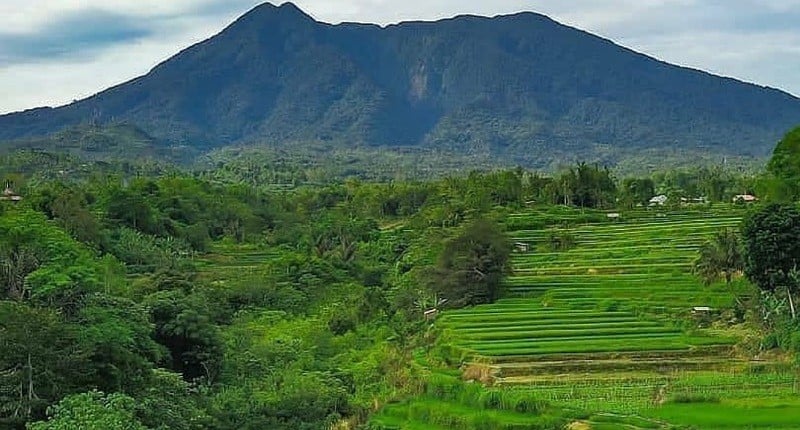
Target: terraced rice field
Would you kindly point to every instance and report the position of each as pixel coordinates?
(227, 261)
(605, 324)
(615, 291)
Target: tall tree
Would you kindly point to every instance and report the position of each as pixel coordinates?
(637, 191)
(772, 248)
(39, 361)
(720, 256)
(471, 266)
(784, 168)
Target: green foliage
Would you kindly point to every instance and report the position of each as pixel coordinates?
(721, 255)
(116, 335)
(772, 246)
(92, 411)
(218, 305)
(784, 168)
(143, 252)
(169, 403)
(42, 263)
(472, 266)
(184, 324)
(585, 186)
(637, 191)
(40, 363)
(560, 241)
(303, 395)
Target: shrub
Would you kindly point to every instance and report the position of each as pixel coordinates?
(491, 399)
(561, 241)
(694, 398)
(526, 405)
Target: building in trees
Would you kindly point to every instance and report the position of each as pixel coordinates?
(9, 194)
(745, 198)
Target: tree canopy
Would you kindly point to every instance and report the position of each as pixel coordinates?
(720, 256)
(784, 168)
(772, 245)
(472, 265)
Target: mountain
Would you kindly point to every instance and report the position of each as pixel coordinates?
(521, 87)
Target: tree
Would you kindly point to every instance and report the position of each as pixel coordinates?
(184, 325)
(42, 263)
(784, 168)
(39, 361)
(169, 403)
(92, 411)
(585, 186)
(722, 255)
(16, 263)
(471, 266)
(772, 248)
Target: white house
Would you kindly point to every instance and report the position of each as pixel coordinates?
(658, 200)
(746, 198)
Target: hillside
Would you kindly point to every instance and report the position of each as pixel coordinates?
(522, 87)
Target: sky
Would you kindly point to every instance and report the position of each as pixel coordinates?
(53, 52)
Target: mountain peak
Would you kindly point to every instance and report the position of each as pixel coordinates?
(291, 7)
(286, 10)
(514, 86)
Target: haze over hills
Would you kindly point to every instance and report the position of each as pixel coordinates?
(522, 88)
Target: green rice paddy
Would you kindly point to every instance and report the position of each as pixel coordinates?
(605, 326)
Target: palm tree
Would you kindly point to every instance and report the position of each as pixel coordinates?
(15, 264)
(720, 257)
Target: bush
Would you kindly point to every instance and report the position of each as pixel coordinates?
(561, 241)
(694, 398)
(526, 405)
(492, 399)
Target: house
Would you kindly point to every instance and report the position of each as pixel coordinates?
(703, 315)
(431, 314)
(694, 201)
(659, 200)
(745, 198)
(10, 195)
(614, 216)
(521, 247)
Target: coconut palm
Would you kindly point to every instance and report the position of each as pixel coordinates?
(720, 257)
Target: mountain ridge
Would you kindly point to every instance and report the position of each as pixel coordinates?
(512, 86)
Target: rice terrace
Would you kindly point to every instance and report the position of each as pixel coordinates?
(604, 314)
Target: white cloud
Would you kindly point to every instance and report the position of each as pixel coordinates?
(754, 40)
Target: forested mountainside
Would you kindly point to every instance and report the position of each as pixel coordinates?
(522, 88)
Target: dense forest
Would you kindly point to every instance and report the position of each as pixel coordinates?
(147, 296)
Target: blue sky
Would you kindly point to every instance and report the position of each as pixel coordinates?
(55, 51)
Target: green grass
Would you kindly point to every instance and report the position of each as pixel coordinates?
(431, 413)
(769, 412)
